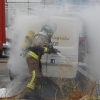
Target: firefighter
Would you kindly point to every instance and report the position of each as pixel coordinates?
(33, 59)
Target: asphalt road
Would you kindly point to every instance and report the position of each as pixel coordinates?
(3, 69)
(4, 75)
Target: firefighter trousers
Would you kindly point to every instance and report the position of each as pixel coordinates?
(33, 65)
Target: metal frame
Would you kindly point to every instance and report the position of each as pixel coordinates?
(22, 2)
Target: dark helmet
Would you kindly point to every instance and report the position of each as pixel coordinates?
(49, 27)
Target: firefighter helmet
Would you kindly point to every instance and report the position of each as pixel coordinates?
(49, 27)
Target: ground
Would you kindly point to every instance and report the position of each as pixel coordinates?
(4, 78)
(48, 86)
(3, 72)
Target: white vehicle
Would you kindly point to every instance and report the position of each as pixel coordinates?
(69, 39)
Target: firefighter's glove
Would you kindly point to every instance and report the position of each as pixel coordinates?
(52, 50)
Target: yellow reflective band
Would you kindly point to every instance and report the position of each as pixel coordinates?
(30, 86)
(33, 55)
(33, 76)
(45, 49)
(31, 83)
(36, 37)
(50, 33)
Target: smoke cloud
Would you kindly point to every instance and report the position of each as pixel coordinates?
(21, 26)
(23, 23)
(92, 27)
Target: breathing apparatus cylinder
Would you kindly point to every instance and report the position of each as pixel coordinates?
(28, 41)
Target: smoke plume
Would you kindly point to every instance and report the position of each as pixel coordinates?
(92, 27)
(23, 23)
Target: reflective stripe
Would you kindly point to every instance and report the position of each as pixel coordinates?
(31, 83)
(30, 86)
(42, 33)
(45, 49)
(33, 77)
(36, 37)
(50, 33)
(33, 55)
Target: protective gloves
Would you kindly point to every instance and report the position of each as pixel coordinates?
(52, 50)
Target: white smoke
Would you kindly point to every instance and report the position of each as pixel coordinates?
(17, 64)
(92, 27)
(21, 25)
